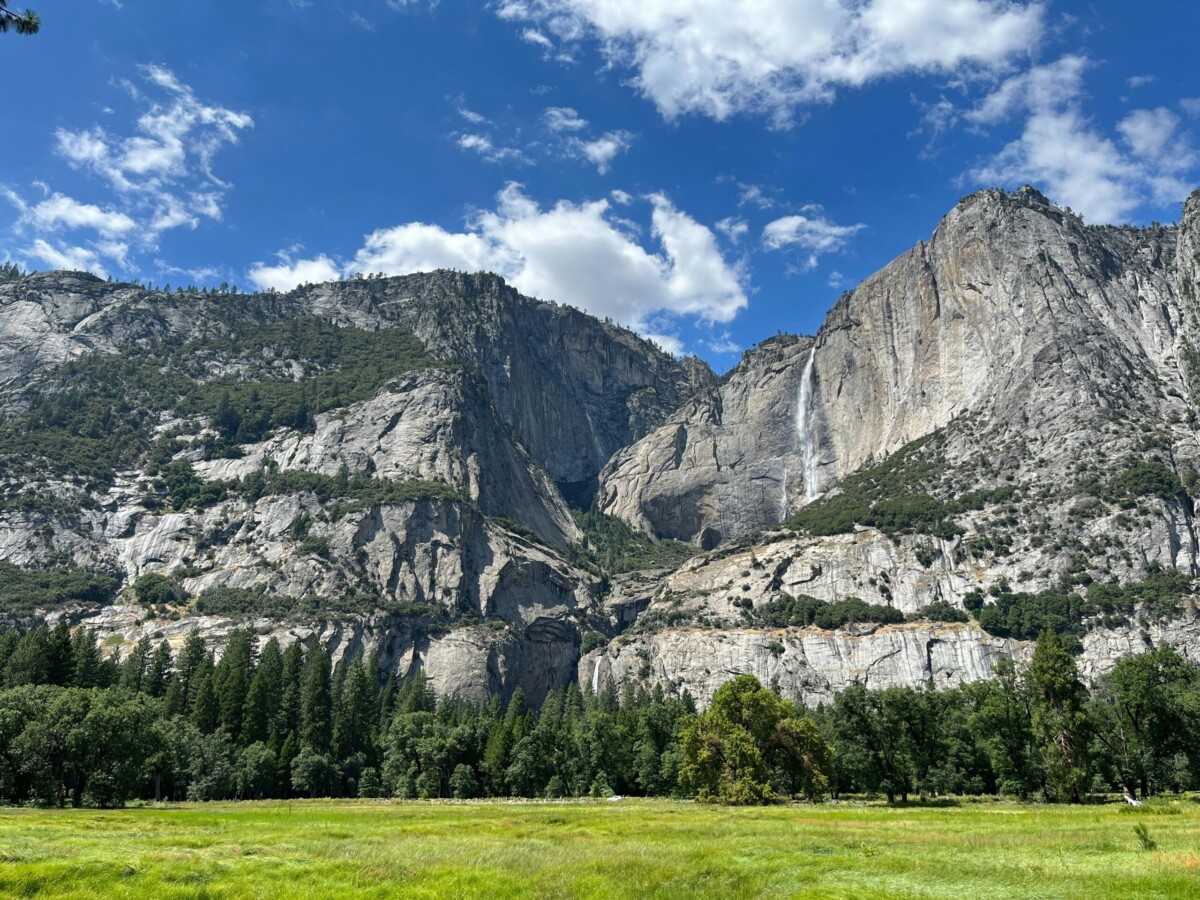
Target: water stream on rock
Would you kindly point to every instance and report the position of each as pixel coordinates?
(804, 428)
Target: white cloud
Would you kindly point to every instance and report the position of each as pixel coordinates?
(563, 118)
(720, 58)
(576, 253)
(724, 345)
(810, 232)
(482, 145)
(288, 273)
(620, 197)
(160, 177)
(1068, 155)
(1137, 81)
(936, 119)
(733, 227)
(533, 36)
(669, 342)
(63, 256)
(601, 151)
(61, 210)
(470, 115)
(1190, 105)
(754, 195)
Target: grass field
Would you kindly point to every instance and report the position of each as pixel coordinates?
(628, 849)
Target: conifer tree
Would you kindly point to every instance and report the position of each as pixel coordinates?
(27, 22)
(316, 703)
(158, 675)
(1059, 721)
(288, 718)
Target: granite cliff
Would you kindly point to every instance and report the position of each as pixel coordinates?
(1000, 420)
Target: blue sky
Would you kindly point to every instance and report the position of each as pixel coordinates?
(706, 171)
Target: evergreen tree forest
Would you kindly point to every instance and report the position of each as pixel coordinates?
(79, 727)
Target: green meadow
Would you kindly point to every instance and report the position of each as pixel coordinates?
(630, 848)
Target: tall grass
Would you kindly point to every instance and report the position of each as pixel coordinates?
(627, 849)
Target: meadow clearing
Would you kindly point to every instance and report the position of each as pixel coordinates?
(630, 848)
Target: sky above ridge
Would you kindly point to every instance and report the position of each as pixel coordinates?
(708, 172)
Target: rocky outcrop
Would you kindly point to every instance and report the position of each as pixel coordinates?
(1015, 328)
(729, 461)
(433, 425)
(813, 665)
(808, 664)
(573, 389)
(473, 663)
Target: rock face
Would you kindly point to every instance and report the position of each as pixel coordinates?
(1029, 385)
(1014, 324)
(573, 389)
(814, 665)
(808, 664)
(727, 462)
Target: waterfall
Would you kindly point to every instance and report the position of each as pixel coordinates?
(804, 428)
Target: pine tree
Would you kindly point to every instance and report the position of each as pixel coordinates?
(287, 721)
(1060, 724)
(231, 681)
(353, 728)
(60, 656)
(158, 675)
(89, 668)
(27, 22)
(28, 663)
(263, 699)
(316, 704)
(181, 691)
(206, 709)
(136, 665)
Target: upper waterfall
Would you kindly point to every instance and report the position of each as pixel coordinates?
(804, 428)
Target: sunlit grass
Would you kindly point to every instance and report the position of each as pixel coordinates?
(636, 849)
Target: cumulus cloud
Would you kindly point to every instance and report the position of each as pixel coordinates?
(810, 232)
(563, 118)
(159, 177)
(601, 151)
(733, 227)
(288, 272)
(1106, 178)
(576, 253)
(482, 145)
(720, 58)
(64, 256)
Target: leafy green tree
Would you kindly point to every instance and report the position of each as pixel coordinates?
(313, 773)
(749, 744)
(1060, 724)
(870, 738)
(1002, 721)
(256, 771)
(1144, 713)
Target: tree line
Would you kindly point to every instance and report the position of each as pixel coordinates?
(80, 727)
